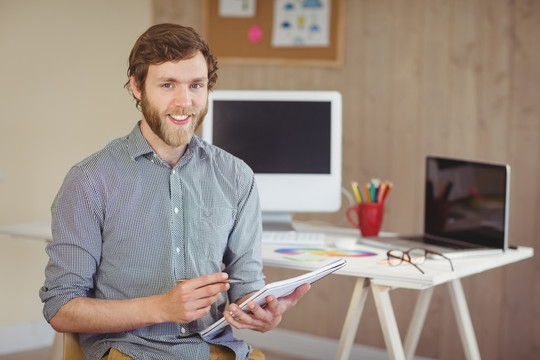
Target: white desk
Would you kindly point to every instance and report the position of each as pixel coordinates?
(381, 278)
(39, 230)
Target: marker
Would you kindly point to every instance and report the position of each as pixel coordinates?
(375, 188)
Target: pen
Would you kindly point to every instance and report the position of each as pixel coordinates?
(230, 281)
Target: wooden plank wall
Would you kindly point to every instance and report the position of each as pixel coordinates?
(451, 77)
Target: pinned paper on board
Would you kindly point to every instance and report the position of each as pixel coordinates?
(301, 23)
(237, 8)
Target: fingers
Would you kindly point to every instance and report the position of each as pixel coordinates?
(205, 280)
(191, 299)
(243, 320)
(267, 318)
(196, 296)
(286, 302)
(301, 291)
(207, 287)
(258, 319)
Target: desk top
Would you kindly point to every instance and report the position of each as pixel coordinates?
(373, 267)
(300, 258)
(366, 261)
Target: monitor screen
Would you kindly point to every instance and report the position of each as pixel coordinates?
(291, 140)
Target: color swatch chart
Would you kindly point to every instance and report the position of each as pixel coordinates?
(315, 254)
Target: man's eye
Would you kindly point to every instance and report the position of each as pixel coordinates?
(196, 86)
(167, 85)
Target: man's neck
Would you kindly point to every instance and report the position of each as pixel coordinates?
(167, 153)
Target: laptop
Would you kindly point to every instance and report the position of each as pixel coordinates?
(466, 208)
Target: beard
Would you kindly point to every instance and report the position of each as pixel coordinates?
(174, 136)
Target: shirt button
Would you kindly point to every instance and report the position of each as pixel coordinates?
(176, 210)
(178, 250)
(183, 330)
(174, 171)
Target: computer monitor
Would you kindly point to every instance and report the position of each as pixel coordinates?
(291, 140)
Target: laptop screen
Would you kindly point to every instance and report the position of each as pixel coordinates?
(467, 201)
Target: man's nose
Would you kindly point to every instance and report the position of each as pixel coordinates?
(182, 97)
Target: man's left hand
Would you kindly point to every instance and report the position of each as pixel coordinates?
(267, 318)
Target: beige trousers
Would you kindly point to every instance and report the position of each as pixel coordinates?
(216, 353)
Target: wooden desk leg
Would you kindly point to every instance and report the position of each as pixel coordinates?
(388, 322)
(352, 319)
(417, 321)
(463, 318)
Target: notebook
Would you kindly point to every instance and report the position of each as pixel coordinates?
(466, 206)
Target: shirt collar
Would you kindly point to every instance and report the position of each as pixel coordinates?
(138, 146)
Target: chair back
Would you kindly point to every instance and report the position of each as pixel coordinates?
(72, 349)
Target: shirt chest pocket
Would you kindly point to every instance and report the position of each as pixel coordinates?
(214, 225)
(216, 219)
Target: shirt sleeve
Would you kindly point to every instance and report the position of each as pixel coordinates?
(75, 251)
(243, 258)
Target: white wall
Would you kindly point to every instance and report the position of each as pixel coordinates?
(62, 70)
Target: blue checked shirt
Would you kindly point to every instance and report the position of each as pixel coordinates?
(126, 225)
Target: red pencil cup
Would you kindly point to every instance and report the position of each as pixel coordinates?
(369, 216)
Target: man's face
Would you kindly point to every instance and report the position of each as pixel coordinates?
(175, 99)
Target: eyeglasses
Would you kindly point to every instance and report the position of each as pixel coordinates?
(414, 257)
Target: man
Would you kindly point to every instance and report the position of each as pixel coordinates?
(148, 230)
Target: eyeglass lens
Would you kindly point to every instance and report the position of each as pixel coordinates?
(415, 256)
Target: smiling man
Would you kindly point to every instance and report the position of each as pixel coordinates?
(153, 208)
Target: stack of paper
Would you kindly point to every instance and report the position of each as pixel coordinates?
(280, 289)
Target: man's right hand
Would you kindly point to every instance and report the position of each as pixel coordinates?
(191, 299)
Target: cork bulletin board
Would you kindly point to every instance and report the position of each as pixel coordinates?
(254, 38)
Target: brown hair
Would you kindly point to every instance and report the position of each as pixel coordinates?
(167, 42)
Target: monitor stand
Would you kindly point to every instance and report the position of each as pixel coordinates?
(277, 221)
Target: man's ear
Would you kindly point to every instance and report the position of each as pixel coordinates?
(134, 87)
